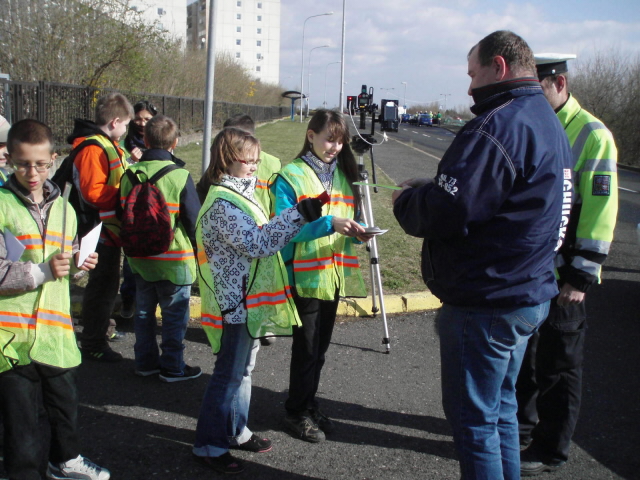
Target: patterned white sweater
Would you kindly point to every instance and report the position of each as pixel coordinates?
(232, 239)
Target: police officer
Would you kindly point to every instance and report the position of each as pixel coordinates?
(550, 382)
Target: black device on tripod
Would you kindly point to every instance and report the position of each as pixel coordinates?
(361, 144)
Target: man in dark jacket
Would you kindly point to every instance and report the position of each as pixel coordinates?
(492, 220)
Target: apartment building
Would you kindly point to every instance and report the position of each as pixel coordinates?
(249, 30)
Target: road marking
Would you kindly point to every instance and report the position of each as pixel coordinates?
(414, 148)
(414, 132)
(425, 135)
(627, 190)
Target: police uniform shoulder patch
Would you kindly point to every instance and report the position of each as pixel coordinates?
(601, 185)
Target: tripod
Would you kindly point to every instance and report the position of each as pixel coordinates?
(361, 146)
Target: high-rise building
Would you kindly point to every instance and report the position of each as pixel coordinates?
(170, 15)
(249, 30)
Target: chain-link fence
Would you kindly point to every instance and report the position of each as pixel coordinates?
(58, 105)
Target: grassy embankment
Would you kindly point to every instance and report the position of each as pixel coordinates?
(399, 254)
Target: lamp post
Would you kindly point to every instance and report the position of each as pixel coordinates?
(404, 101)
(387, 89)
(445, 95)
(304, 24)
(309, 73)
(324, 104)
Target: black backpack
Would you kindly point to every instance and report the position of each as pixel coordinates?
(88, 216)
(145, 228)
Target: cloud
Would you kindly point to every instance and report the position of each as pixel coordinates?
(425, 43)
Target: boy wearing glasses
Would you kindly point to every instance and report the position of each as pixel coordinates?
(38, 350)
(165, 279)
(98, 167)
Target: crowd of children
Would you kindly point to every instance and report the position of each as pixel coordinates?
(277, 270)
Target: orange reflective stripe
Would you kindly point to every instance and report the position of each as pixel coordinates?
(312, 264)
(17, 320)
(202, 257)
(55, 319)
(350, 261)
(173, 207)
(212, 321)
(107, 214)
(172, 256)
(337, 199)
(267, 298)
(115, 163)
(30, 242)
(264, 184)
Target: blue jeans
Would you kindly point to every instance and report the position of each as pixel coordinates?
(481, 350)
(225, 406)
(174, 306)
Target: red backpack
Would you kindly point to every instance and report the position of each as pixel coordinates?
(146, 222)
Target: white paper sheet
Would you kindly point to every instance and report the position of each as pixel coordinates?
(88, 244)
(13, 245)
(374, 231)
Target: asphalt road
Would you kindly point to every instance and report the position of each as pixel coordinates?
(390, 423)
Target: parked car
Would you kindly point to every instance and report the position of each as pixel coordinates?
(425, 119)
(405, 117)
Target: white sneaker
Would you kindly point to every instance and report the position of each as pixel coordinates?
(79, 468)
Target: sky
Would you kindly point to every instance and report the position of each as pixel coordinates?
(425, 43)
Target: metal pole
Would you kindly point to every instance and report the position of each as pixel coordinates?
(304, 24)
(208, 98)
(309, 73)
(404, 104)
(341, 100)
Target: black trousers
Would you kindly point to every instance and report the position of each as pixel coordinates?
(310, 344)
(24, 391)
(549, 386)
(100, 297)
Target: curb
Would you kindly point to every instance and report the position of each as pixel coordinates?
(348, 307)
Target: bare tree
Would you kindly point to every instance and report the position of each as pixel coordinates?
(608, 85)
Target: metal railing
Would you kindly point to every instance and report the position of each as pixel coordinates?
(58, 104)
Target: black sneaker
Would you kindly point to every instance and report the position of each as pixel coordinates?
(146, 373)
(266, 341)
(255, 444)
(304, 428)
(187, 373)
(106, 356)
(532, 464)
(324, 423)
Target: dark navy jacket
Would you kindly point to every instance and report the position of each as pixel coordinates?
(491, 218)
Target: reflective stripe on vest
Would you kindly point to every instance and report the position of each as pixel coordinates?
(269, 302)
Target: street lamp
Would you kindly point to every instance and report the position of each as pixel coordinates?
(309, 70)
(304, 24)
(445, 95)
(405, 96)
(325, 82)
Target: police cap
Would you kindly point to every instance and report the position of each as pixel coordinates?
(552, 63)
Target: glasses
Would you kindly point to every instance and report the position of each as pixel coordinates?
(26, 167)
(251, 161)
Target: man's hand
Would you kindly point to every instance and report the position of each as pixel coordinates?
(136, 154)
(60, 265)
(569, 295)
(90, 262)
(397, 193)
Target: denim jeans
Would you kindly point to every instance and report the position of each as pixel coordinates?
(128, 286)
(481, 350)
(225, 406)
(174, 306)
